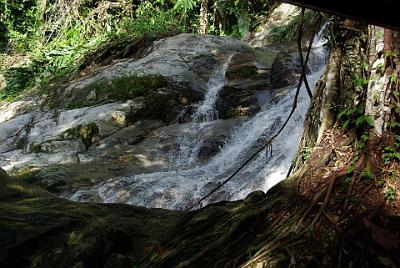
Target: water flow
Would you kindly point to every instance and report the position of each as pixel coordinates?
(179, 187)
(206, 112)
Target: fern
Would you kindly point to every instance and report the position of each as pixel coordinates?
(186, 5)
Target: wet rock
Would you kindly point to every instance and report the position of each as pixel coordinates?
(117, 260)
(120, 121)
(280, 16)
(248, 73)
(185, 59)
(255, 197)
(9, 111)
(286, 69)
(211, 147)
(66, 146)
(51, 177)
(18, 159)
(13, 133)
(67, 124)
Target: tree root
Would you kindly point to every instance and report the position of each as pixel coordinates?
(338, 175)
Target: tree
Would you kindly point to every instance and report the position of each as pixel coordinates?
(189, 4)
(203, 17)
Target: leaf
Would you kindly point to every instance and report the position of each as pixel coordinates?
(342, 113)
(359, 121)
(369, 120)
(350, 169)
(346, 124)
(187, 5)
(386, 262)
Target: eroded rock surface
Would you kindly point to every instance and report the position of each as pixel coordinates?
(122, 120)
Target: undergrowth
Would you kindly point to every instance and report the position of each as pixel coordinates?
(58, 43)
(288, 32)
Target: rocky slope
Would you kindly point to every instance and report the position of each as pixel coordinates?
(122, 119)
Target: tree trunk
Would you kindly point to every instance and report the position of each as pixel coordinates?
(41, 9)
(375, 102)
(383, 75)
(203, 17)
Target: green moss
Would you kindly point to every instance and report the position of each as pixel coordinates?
(159, 105)
(35, 148)
(122, 88)
(242, 72)
(26, 174)
(74, 239)
(88, 133)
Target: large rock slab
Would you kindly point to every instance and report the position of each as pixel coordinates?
(14, 132)
(66, 125)
(94, 137)
(186, 59)
(11, 110)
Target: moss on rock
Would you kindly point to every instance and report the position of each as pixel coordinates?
(89, 133)
(120, 89)
(242, 72)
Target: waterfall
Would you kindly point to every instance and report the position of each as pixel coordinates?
(185, 183)
(206, 112)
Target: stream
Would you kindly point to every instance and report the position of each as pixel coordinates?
(187, 180)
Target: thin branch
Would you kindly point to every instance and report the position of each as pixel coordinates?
(300, 49)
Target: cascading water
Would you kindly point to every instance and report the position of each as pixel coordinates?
(183, 184)
(206, 112)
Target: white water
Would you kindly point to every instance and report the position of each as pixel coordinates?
(184, 183)
(206, 112)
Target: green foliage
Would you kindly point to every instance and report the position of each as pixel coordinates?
(57, 48)
(350, 169)
(392, 154)
(244, 23)
(360, 82)
(392, 54)
(355, 117)
(390, 194)
(186, 5)
(58, 39)
(18, 20)
(365, 66)
(18, 79)
(288, 32)
(236, 17)
(306, 153)
(392, 78)
(363, 140)
(367, 173)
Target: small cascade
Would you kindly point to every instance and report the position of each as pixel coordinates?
(184, 183)
(206, 112)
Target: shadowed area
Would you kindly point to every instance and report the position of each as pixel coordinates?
(383, 13)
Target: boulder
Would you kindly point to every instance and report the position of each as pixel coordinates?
(248, 74)
(50, 178)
